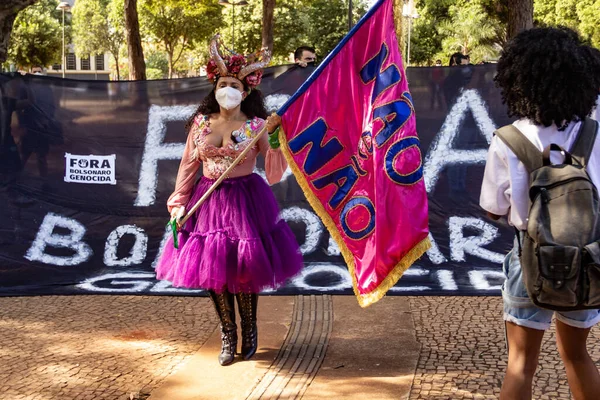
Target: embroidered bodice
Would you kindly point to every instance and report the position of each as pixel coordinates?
(215, 160)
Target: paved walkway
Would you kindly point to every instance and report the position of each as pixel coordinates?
(126, 347)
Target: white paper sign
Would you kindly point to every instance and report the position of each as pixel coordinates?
(90, 169)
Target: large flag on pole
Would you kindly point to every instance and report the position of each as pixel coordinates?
(349, 135)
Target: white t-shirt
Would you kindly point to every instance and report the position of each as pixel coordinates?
(505, 186)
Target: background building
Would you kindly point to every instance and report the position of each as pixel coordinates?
(90, 68)
(93, 67)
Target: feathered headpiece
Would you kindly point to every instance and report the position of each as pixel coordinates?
(247, 69)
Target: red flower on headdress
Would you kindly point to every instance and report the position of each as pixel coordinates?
(254, 78)
(212, 71)
(236, 63)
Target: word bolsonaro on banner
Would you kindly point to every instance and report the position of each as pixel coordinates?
(349, 135)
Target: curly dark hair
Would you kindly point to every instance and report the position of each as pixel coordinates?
(594, 53)
(252, 106)
(547, 76)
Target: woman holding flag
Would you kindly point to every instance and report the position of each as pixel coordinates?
(234, 245)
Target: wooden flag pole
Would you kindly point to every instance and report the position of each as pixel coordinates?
(224, 175)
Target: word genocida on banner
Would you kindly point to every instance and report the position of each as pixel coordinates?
(133, 274)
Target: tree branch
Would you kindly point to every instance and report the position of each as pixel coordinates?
(180, 52)
(8, 13)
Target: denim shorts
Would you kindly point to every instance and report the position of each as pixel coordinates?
(520, 310)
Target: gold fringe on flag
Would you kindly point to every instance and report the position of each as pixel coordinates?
(364, 300)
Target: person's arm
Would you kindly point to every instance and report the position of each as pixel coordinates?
(275, 162)
(186, 177)
(495, 188)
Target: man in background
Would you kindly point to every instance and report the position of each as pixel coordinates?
(304, 55)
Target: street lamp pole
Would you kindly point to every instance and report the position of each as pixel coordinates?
(233, 27)
(63, 6)
(349, 15)
(233, 5)
(409, 32)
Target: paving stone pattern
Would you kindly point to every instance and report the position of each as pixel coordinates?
(302, 352)
(108, 347)
(96, 347)
(463, 353)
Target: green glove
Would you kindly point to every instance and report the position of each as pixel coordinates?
(274, 139)
(173, 224)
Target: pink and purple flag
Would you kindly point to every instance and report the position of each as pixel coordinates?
(349, 135)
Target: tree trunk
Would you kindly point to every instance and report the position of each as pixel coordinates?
(399, 25)
(137, 65)
(8, 12)
(170, 58)
(116, 56)
(267, 23)
(520, 16)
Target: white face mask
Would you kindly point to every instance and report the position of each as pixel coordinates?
(228, 97)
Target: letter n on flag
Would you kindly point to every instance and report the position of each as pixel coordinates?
(349, 135)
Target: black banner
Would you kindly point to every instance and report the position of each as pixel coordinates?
(86, 168)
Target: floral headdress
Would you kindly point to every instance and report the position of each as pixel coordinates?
(247, 69)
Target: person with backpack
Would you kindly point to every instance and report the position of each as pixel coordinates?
(543, 173)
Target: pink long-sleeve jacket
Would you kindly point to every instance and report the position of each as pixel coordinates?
(215, 160)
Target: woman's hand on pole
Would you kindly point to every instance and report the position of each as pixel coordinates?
(273, 121)
(177, 213)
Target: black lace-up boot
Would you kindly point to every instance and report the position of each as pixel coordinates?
(224, 304)
(247, 303)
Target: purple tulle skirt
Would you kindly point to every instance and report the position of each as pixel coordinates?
(235, 241)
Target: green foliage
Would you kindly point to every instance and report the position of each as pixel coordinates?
(327, 24)
(289, 29)
(179, 25)
(581, 15)
(99, 27)
(242, 25)
(158, 62)
(154, 73)
(544, 12)
(566, 13)
(474, 27)
(469, 31)
(317, 23)
(177, 31)
(588, 12)
(37, 36)
(425, 40)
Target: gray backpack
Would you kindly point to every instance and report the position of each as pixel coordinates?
(560, 252)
